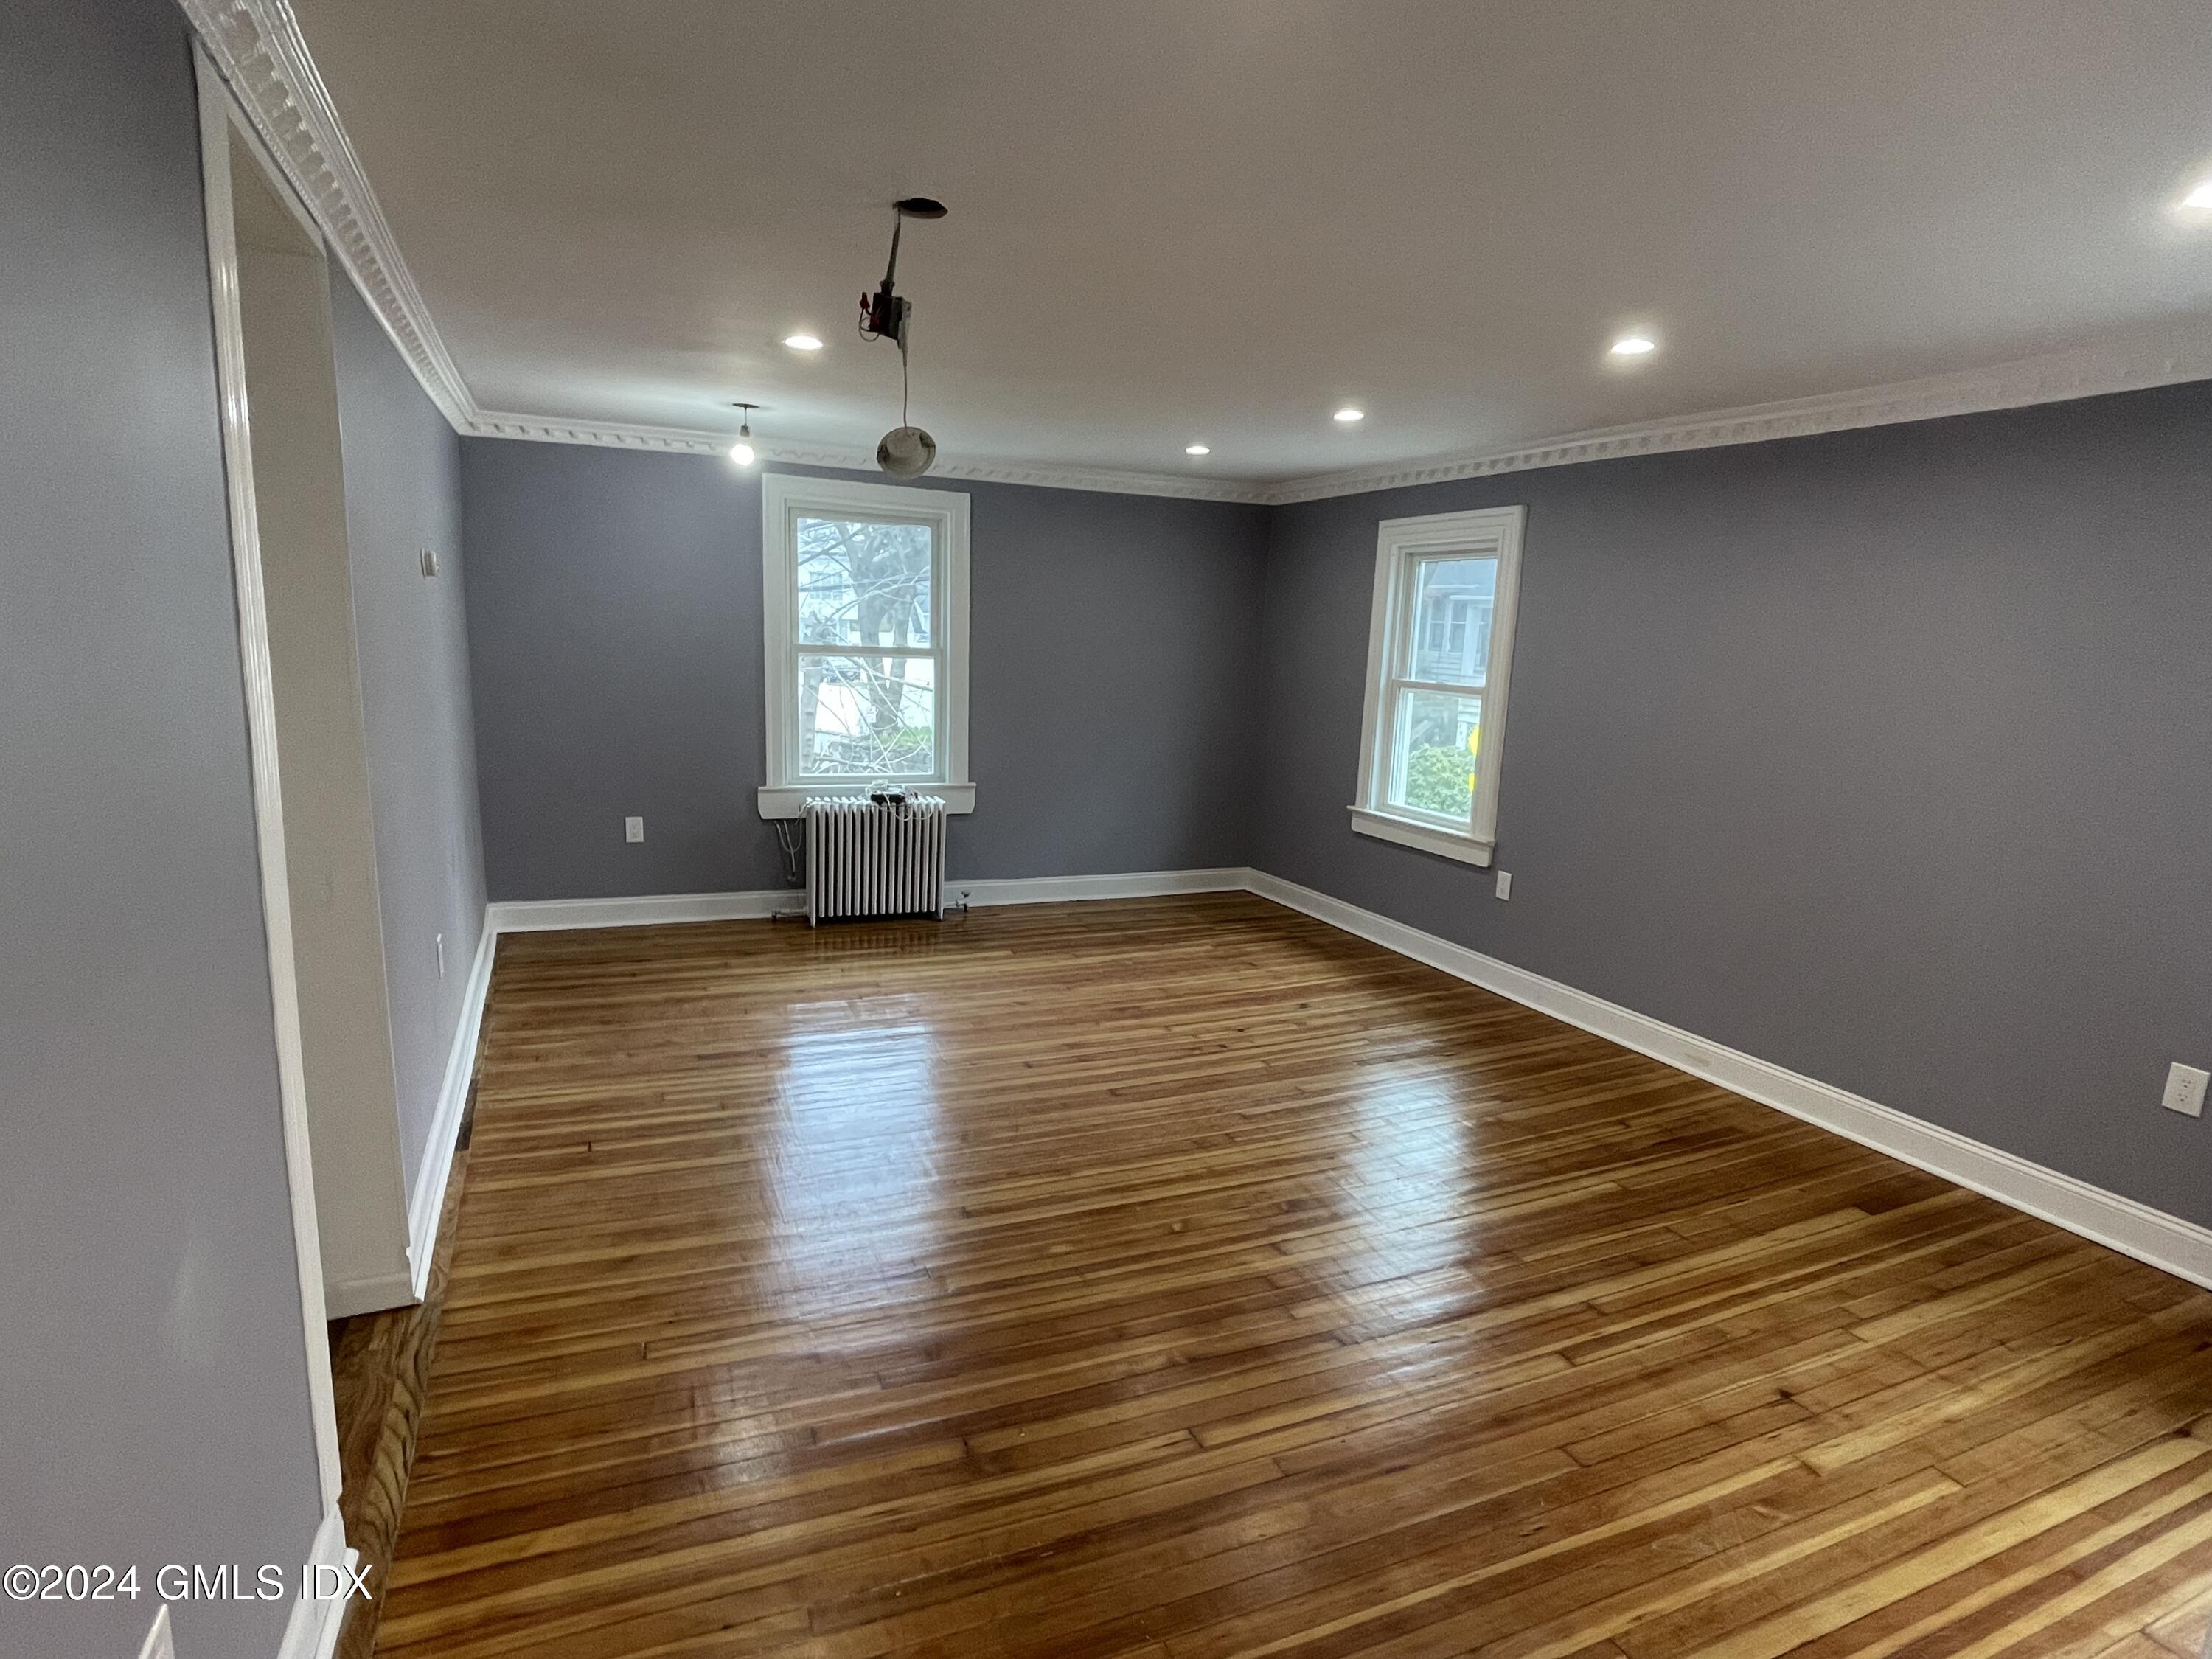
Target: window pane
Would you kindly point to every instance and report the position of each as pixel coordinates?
(1437, 734)
(1453, 599)
(862, 583)
(867, 717)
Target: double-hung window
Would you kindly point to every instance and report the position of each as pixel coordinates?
(1438, 652)
(865, 608)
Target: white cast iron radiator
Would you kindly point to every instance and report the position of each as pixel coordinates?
(875, 858)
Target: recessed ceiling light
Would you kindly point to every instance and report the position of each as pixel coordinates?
(2201, 196)
(802, 342)
(1196, 449)
(1348, 414)
(1634, 345)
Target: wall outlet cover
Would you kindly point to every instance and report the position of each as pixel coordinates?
(2184, 1089)
(1505, 884)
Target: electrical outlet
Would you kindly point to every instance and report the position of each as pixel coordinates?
(633, 828)
(2184, 1089)
(441, 956)
(429, 560)
(1505, 884)
(160, 1644)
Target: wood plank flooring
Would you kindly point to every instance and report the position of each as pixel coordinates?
(380, 1373)
(1184, 1279)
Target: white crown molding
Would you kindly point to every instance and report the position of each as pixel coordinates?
(665, 440)
(258, 48)
(1044, 474)
(2055, 377)
(684, 440)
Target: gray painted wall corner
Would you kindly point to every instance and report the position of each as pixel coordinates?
(615, 640)
(1876, 755)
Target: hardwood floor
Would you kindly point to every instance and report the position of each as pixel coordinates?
(1182, 1278)
(380, 1372)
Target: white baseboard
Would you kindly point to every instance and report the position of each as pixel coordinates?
(1064, 890)
(428, 1200)
(2179, 1247)
(343, 1298)
(529, 916)
(2166, 1242)
(550, 916)
(312, 1631)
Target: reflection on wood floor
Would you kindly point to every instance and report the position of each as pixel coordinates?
(1183, 1277)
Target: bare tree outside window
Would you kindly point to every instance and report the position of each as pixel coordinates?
(867, 667)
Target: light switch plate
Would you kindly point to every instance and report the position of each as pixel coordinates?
(633, 828)
(1505, 884)
(2184, 1089)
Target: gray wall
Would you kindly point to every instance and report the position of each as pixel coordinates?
(1882, 756)
(615, 643)
(152, 1386)
(402, 494)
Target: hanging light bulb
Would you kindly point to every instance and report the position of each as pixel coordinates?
(742, 450)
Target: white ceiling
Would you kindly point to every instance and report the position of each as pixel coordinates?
(1218, 220)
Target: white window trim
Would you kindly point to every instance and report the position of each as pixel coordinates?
(783, 498)
(1494, 529)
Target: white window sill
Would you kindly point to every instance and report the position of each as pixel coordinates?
(1406, 832)
(779, 802)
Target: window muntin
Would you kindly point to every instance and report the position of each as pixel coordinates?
(1438, 652)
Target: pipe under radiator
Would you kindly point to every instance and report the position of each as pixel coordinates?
(867, 857)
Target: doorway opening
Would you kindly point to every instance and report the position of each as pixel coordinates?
(277, 372)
